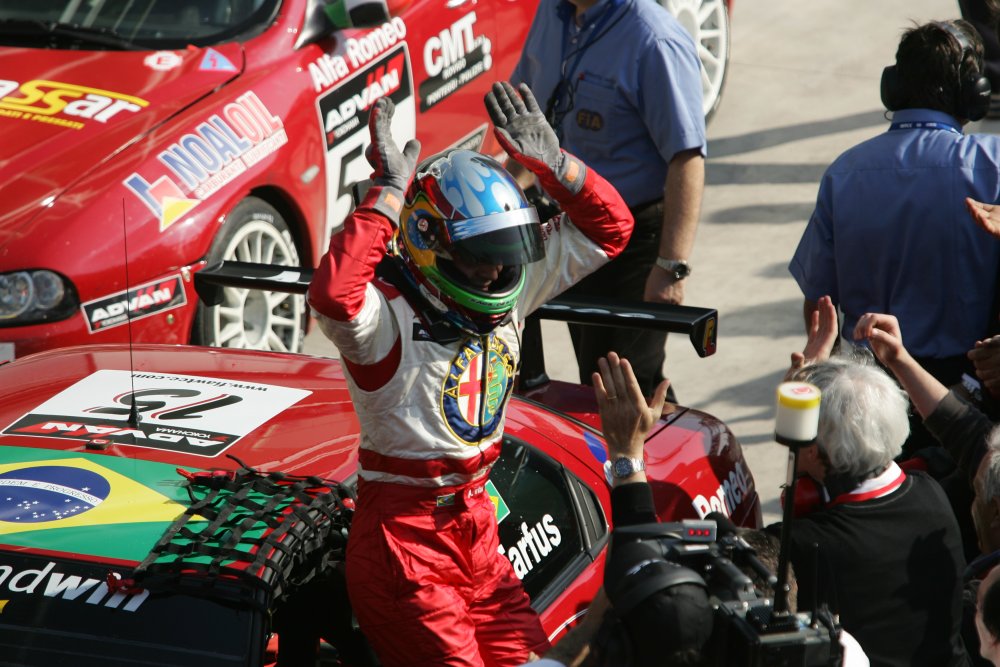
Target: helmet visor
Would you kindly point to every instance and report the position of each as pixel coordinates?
(508, 238)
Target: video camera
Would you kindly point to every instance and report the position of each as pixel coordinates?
(745, 627)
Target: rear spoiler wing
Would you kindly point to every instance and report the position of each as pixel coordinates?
(700, 324)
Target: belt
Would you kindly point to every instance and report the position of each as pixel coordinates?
(642, 208)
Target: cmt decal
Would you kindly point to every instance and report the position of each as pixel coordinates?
(728, 496)
(452, 59)
(139, 302)
(533, 546)
(209, 156)
(189, 414)
(344, 111)
(64, 104)
(53, 581)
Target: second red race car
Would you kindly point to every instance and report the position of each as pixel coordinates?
(144, 139)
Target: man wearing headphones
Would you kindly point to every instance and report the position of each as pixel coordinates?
(889, 232)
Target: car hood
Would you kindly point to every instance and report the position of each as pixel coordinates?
(65, 113)
(76, 477)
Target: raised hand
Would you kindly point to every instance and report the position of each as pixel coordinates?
(521, 128)
(986, 216)
(626, 417)
(392, 168)
(883, 334)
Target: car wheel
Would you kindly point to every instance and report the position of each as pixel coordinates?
(253, 232)
(708, 22)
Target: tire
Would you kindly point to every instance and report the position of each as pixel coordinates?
(252, 319)
(708, 23)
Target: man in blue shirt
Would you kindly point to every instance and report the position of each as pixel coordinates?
(890, 233)
(620, 81)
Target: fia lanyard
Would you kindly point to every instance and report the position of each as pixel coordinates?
(596, 31)
(874, 488)
(924, 125)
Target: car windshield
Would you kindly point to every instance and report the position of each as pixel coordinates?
(130, 24)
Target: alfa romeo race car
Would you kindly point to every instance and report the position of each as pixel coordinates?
(182, 505)
(144, 139)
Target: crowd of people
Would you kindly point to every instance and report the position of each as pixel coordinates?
(444, 260)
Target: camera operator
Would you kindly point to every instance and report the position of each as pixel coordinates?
(673, 626)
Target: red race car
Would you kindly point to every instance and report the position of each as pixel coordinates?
(176, 505)
(144, 139)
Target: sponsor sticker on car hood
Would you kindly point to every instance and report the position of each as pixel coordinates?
(63, 113)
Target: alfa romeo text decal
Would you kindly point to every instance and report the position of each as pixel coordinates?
(180, 413)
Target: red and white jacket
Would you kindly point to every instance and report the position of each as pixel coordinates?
(431, 414)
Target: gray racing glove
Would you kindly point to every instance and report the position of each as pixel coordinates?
(392, 169)
(527, 137)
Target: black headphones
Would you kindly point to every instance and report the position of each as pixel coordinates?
(973, 99)
(634, 572)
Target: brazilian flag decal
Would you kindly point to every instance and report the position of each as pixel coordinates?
(96, 505)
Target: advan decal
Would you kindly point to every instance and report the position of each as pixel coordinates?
(344, 113)
(139, 302)
(189, 414)
(452, 59)
(210, 155)
(64, 104)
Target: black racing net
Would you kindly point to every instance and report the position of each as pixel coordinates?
(246, 532)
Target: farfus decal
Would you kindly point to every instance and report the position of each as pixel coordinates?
(63, 104)
(452, 59)
(728, 496)
(208, 157)
(49, 582)
(329, 69)
(180, 413)
(143, 301)
(535, 543)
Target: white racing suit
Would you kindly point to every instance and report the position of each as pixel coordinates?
(424, 574)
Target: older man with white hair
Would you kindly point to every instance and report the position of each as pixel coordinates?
(884, 550)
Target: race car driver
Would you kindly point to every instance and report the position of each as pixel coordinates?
(427, 319)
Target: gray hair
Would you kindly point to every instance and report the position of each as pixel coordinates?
(863, 415)
(988, 484)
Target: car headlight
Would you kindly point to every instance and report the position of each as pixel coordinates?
(30, 297)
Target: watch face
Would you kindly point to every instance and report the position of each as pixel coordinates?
(682, 271)
(623, 467)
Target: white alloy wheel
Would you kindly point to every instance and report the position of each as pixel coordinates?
(708, 23)
(254, 319)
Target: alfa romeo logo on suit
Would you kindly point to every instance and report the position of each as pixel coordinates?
(476, 389)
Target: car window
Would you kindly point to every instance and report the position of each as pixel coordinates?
(144, 22)
(546, 517)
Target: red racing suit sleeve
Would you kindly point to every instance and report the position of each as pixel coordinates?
(351, 310)
(594, 227)
(338, 287)
(597, 209)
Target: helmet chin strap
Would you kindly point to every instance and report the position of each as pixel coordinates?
(444, 326)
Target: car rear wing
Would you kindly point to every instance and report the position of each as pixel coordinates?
(700, 324)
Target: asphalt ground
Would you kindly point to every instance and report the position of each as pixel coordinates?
(803, 86)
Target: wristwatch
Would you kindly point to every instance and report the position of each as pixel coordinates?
(623, 467)
(678, 267)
